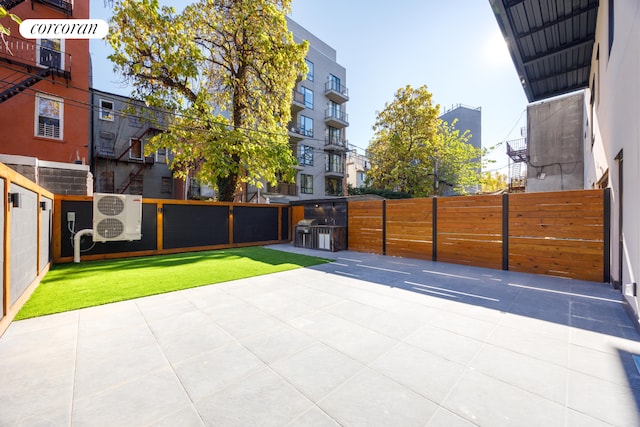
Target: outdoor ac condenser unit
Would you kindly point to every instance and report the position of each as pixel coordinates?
(117, 217)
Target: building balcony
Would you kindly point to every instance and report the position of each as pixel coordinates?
(63, 6)
(335, 144)
(297, 133)
(336, 92)
(336, 171)
(297, 104)
(29, 54)
(337, 119)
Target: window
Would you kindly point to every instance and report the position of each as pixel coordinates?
(306, 155)
(308, 97)
(611, 26)
(106, 182)
(310, 72)
(335, 110)
(135, 149)
(50, 53)
(334, 136)
(306, 126)
(334, 83)
(161, 156)
(49, 116)
(137, 183)
(106, 110)
(306, 184)
(334, 163)
(165, 185)
(333, 187)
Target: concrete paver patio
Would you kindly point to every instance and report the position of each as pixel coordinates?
(364, 341)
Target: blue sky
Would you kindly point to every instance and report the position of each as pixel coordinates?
(454, 47)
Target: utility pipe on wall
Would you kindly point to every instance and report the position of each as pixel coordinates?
(76, 243)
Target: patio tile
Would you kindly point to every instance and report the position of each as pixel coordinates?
(51, 321)
(463, 325)
(193, 341)
(449, 345)
(45, 342)
(144, 401)
(487, 401)
(603, 400)
(157, 307)
(263, 398)
(277, 343)
(185, 417)
(616, 368)
(314, 417)
(540, 346)
(444, 418)
(319, 324)
(380, 321)
(577, 419)
(534, 375)
(359, 342)
(212, 371)
(370, 399)
(35, 395)
(317, 370)
(98, 369)
(94, 320)
(51, 417)
(425, 373)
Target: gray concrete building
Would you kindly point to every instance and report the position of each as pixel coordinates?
(555, 141)
(318, 127)
(465, 118)
(118, 137)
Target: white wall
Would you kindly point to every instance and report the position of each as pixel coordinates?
(615, 83)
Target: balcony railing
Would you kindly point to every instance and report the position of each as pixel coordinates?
(297, 103)
(335, 117)
(20, 51)
(65, 6)
(335, 142)
(301, 131)
(336, 92)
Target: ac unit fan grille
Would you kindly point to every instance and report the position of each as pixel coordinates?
(110, 205)
(110, 228)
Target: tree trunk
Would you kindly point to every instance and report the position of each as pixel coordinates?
(227, 188)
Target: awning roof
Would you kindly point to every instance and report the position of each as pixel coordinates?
(550, 41)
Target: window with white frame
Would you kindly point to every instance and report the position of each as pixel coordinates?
(106, 110)
(135, 149)
(49, 116)
(161, 156)
(50, 53)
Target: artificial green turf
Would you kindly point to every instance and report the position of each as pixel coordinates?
(73, 286)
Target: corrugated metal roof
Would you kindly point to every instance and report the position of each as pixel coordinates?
(550, 41)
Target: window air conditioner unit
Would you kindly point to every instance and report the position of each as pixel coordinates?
(117, 217)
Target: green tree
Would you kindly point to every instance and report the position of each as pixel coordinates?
(227, 69)
(494, 181)
(413, 151)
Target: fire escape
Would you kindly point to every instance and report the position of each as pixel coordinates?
(135, 151)
(30, 62)
(518, 153)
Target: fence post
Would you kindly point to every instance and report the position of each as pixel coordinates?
(384, 227)
(434, 229)
(607, 236)
(505, 231)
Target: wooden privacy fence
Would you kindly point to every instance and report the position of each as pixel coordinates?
(171, 226)
(557, 233)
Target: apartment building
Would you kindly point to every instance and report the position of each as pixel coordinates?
(357, 167)
(120, 130)
(44, 100)
(318, 127)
